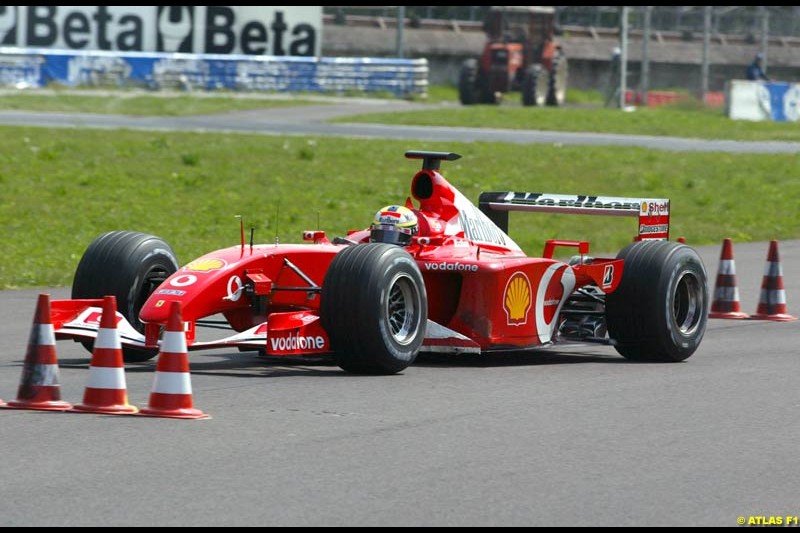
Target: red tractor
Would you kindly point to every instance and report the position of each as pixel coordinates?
(521, 54)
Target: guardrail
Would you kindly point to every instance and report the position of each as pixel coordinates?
(35, 67)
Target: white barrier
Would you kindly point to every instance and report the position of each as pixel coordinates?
(759, 100)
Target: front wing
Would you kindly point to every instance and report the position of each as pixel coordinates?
(292, 333)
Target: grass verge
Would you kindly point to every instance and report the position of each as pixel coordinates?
(59, 189)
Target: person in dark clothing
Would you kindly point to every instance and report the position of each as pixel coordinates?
(755, 71)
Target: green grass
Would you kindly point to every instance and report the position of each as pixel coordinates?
(679, 120)
(60, 188)
(125, 103)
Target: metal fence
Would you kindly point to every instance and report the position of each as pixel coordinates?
(783, 21)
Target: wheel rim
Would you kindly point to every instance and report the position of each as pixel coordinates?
(154, 277)
(688, 303)
(402, 310)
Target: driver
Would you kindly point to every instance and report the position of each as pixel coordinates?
(394, 224)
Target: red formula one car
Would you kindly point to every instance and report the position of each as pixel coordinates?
(459, 284)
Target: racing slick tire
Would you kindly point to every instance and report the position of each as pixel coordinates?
(660, 309)
(374, 308)
(130, 266)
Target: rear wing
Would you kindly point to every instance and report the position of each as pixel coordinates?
(653, 213)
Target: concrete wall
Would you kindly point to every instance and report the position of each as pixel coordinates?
(674, 62)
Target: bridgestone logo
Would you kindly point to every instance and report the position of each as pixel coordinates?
(451, 267)
(658, 228)
(295, 342)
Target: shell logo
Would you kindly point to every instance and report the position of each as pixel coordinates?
(204, 265)
(517, 299)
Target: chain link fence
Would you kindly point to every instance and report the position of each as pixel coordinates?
(689, 50)
(784, 21)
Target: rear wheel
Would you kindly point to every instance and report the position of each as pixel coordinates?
(484, 89)
(467, 79)
(660, 309)
(374, 308)
(130, 266)
(557, 82)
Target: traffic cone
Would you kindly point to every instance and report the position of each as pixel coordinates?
(726, 292)
(171, 395)
(106, 392)
(39, 388)
(772, 301)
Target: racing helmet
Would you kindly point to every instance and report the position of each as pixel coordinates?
(394, 224)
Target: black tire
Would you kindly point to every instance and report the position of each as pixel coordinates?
(561, 74)
(529, 81)
(467, 79)
(129, 266)
(660, 309)
(374, 308)
(484, 89)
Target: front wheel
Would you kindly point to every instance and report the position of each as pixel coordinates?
(374, 308)
(660, 309)
(130, 266)
(530, 81)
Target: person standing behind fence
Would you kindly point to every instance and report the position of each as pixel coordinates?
(614, 76)
(755, 71)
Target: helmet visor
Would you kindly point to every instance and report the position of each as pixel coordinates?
(390, 235)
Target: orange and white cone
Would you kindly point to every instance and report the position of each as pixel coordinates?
(106, 392)
(772, 301)
(39, 388)
(171, 395)
(726, 292)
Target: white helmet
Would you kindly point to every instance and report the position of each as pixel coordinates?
(394, 224)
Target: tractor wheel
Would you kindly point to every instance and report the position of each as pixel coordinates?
(467, 79)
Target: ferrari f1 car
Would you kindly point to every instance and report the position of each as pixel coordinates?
(461, 285)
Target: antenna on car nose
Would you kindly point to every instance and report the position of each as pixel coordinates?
(241, 230)
(431, 160)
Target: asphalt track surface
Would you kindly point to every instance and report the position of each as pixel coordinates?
(570, 435)
(310, 120)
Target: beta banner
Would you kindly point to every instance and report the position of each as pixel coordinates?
(250, 30)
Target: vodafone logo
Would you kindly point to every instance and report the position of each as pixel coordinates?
(459, 267)
(294, 343)
(235, 288)
(556, 283)
(183, 281)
